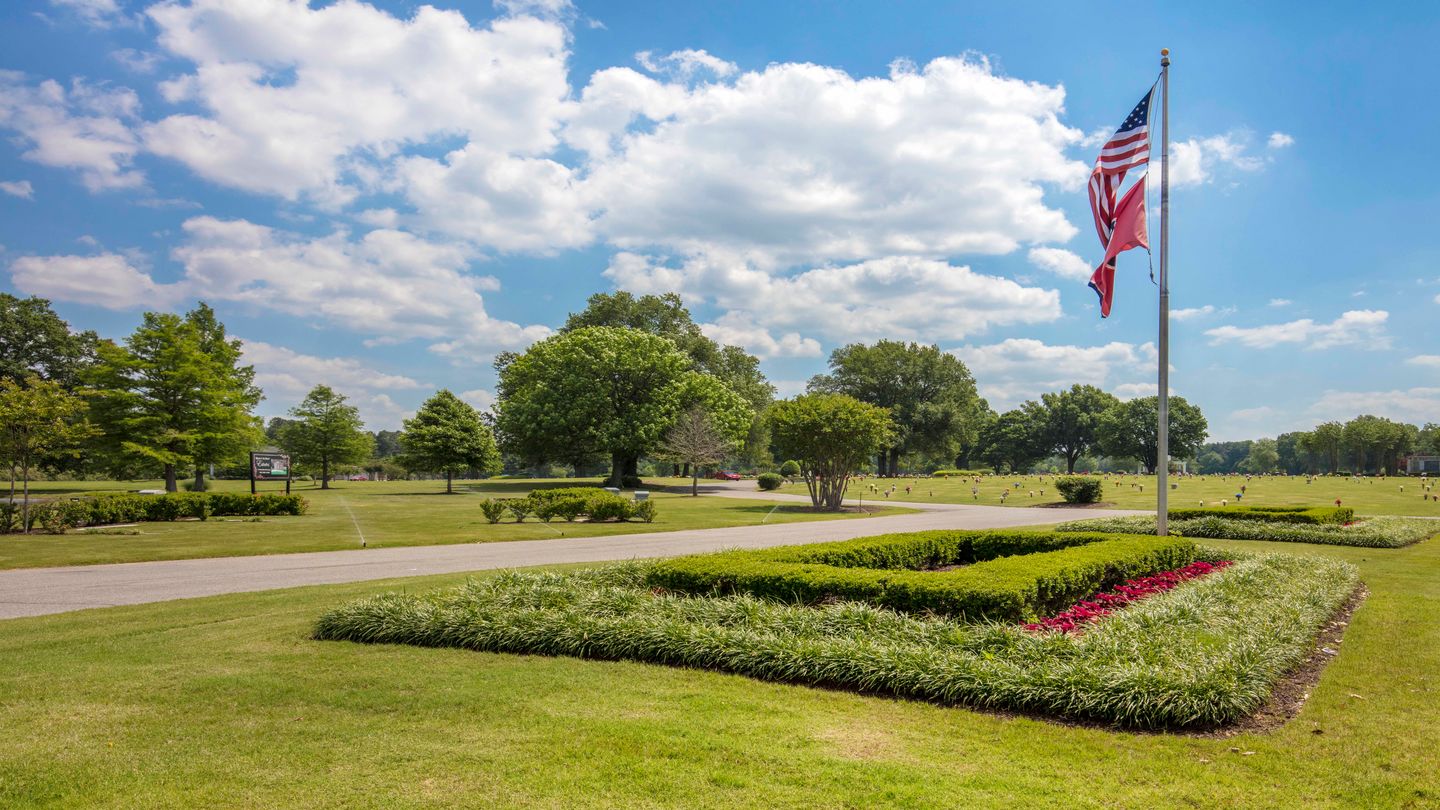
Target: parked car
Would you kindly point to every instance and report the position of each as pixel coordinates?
(725, 475)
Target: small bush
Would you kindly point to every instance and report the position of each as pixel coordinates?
(1080, 488)
(790, 469)
(608, 507)
(769, 481)
(643, 510)
(1378, 532)
(492, 509)
(189, 485)
(957, 473)
(546, 511)
(520, 508)
(1314, 516)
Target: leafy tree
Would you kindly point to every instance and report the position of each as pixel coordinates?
(387, 443)
(929, 393)
(39, 422)
(1016, 439)
(326, 431)
(605, 391)
(1264, 457)
(35, 342)
(173, 395)
(1210, 462)
(1326, 441)
(695, 441)
(830, 435)
(446, 435)
(1291, 457)
(1428, 440)
(1131, 429)
(1072, 421)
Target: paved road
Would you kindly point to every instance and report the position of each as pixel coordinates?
(39, 591)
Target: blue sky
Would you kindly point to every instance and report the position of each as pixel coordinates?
(381, 196)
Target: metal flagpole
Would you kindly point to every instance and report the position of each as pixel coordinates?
(1162, 457)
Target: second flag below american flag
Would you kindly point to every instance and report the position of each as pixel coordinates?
(1128, 148)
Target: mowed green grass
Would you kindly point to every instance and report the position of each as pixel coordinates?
(399, 513)
(1371, 496)
(226, 701)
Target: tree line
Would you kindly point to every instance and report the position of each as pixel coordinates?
(1364, 445)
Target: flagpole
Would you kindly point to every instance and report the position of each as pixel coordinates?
(1162, 457)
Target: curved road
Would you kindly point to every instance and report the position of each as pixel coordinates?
(39, 591)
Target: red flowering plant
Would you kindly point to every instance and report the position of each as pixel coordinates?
(1103, 604)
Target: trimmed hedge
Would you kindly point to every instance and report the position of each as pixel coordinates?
(1376, 532)
(59, 515)
(568, 504)
(1007, 575)
(1311, 515)
(1080, 488)
(959, 473)
(768, 481)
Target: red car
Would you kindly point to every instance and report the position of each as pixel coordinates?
(725, 475)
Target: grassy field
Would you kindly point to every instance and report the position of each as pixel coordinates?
(225, 701)
(401, 513)
(1369, 496)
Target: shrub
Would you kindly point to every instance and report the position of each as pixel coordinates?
(571, 508)
(606, 506)
(493, 509)
(546, 510)
(1203, 654)
(189, 485)
(958, 473)
(564, 493)
(1312, 515)
(1378, 532)
(1006, 575)
(1080, 488)
(768, 481)
(643, 510)
(790, 469)
(520, 508)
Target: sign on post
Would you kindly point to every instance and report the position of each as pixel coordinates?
(269, 467)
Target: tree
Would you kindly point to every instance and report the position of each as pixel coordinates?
(1428, 440)
(1290, 454)
(173, 396)
(1326, 441)
(446, 435)
(1264, 457)
(830, 435)
(1131, 429)
(694, 441)
(326, 431)
(1015, 440)
(387, 443)
(1210, 462)
(1072, 421)
(35, 342)
(929, 393)
(605, 391)
(39, 421)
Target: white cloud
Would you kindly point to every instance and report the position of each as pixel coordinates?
(1061, 262)
(802, 164)
(1191, 313)
(1263, 412)
(686, 64)
(1428, 360)
(1363, 328)
(95, 13)
(1018, 369)
(478, 398)
(1195, 161)
(291, 110)
(287, 376)
(85, 127)
(1437, 299)
(903, 298)
(18, 188)
(1418, 405)
(1280, 140)
(1280, 302)
(137, 61)
(107, 280)
(734, 330)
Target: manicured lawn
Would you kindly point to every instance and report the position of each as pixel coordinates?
(401, 513)
(1369, 496)
(226, 702)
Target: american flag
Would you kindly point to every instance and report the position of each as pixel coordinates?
(1128, 148)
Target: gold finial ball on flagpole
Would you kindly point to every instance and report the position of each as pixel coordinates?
(1164, 51)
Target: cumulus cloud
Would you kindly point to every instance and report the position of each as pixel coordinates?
(1415, 405)
(1061, 262)
(95, 13)
(1427, 360)
(18, 188)
(1018, 369)
(1280, 140)
(108, 280)
(1280, 302)
(733, 329)
(1196, 161)
(1190, 313)
(686, 64)
(83, 127)
(1362, 328)
(287, 376)
(904, 298)
(478, 398)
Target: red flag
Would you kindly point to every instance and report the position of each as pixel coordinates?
(1130, 231)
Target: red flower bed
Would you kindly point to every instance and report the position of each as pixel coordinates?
(1103, 604)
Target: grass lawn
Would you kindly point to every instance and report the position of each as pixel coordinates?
(226, 701)
(1370, 496)
(400, 513)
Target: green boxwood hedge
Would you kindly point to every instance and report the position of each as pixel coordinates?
(1004, 575)
(61, 514)
(1311, 515)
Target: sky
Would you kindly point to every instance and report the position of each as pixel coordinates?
(380, 196)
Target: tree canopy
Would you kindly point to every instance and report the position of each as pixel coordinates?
(1131, 430)
(1072, 421)
(39, 422)
(830, 436)
(326, 431)
(447, 436)
(35, 342)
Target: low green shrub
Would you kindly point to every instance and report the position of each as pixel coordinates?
(1311, 515)
(61, 514)
(1375, 532)
(606, 506)
(643, 511)
(790, 469)
(1004, 575)
(564, 493)
(957, 473)
(1203, 654)
(520, 508)
(769, 481)
(1080, 488)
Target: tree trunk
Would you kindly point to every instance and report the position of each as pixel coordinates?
(881, 463)
(199, 479)
(449, 487)
(25, 504)
(617, 469)
(1070, 459)
(170, 479)
(686, 470)
(894, 464)
(675, 470)
(325, 474)
(695, 482)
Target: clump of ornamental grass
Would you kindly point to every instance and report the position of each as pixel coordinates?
(1204, 654)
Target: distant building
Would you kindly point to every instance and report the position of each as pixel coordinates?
(1414, 465)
